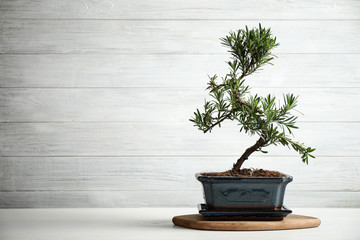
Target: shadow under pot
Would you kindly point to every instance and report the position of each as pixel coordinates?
(238, 193)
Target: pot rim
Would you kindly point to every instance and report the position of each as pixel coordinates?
(199, 176)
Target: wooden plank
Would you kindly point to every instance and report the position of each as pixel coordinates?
(163, 54)
(165, 173)
(161, 138)
(124, 36)
(175, 70)
(159, 104)
(292, 221)
(185, 9)
(174, 198)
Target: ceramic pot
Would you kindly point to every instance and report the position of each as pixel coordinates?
(244, 192)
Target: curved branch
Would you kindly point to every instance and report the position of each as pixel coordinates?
(218, 122)
(259, 143)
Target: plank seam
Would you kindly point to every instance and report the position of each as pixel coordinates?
(165, 156)
(182, 19)
(148, 122)
(12, 191)
(164, 53)
(152, 87)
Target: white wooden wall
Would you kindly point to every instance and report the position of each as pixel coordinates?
(95, 97)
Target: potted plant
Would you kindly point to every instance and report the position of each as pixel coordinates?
(272, 121)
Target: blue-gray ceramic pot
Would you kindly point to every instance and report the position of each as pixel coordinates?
(243, 192)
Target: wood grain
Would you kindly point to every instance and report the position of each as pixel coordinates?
(185, 9)
(167, 173)
(159, 104)
(93, 93)
(162, 138)
(116, 36)
(171, 70)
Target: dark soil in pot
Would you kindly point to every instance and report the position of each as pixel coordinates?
(246, 172)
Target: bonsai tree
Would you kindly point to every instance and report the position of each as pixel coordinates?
(264, 116)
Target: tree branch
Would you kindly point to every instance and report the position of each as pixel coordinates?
(219, 121)
(259, 143)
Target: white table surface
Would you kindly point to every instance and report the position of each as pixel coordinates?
(155, 223)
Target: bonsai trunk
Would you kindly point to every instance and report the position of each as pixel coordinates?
(259, 143)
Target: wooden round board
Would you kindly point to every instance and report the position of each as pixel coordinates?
(292, 221)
